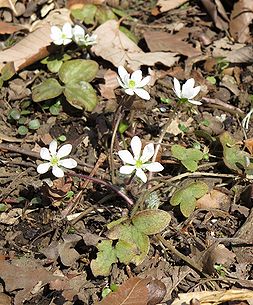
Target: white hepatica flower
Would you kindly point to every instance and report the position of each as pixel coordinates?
(139, 162)
(132, 84)
(61, 36)
(188, 91)
(81, 38)
(55, 159)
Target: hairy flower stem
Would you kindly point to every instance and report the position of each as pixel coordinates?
(129, 202)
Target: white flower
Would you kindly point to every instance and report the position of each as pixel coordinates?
(245, 121)
(54, 159)
(188, 91)
(139, 162)
(132, 84)
(81, 38)
(61, 37)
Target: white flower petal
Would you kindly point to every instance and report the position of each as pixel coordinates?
(195, 102)
(66, 41)
(129, 91)
(126, 157)
(123, 74)
(67, 30)
(154, 167)
(142, 93)
(57, 171)
(136, 147)
(194, 92)
(187, 87)
(145, 81)
(140, 173)
(121, 83)
(64, 151)
(68, 163)
(58, 41)
(53, 147)
(45, 154)
(55, 32)
(148, 152)
(177, 87)
(78, 31)
(127, 169)
(43, 168)
(136, 76)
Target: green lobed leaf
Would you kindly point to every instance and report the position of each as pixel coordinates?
(86, 14)
(81, 95)
(22, 130)
(76, 70)
(125, 251)
(198, 189)
(8, 71)
(187, 207)
(34, 124)
(178, 151)
(105, 258)
(104, 14)
(129, 34)
(150, 221)
(191, 165)
(47, 89)
(232, 154)
(194, 154)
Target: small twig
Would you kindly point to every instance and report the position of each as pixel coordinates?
(129, 201)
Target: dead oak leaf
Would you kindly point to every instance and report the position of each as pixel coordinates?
(240, 20)
(10, 28)
(167, 5)
(111, 83)
(116, 47)
(162, 41)
(132, 291)
(28, 278)
(9, 4)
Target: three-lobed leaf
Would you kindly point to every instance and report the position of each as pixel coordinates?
(77, 70)
(47, 89)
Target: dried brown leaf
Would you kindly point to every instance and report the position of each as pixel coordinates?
(133, 291)
(78, 4)
(9, 4)
(28, 277)
(162, 41)
(217, 12)
(242, 55)
(241, 18)
(111, 83)
(156, 292)
(214, 200)
(116, 47)
(29, 50)
(10, 28)
(167, 5)
(214, 297)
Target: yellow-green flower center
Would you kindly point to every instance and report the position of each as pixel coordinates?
(54, 160)
(139, 164)
(131, 84)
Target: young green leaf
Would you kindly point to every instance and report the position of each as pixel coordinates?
(47, 89)
(81, 95)
(105, 258)
(78, 70)
(151, 221)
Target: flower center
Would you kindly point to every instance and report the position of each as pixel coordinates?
(139, 164)
(54, 160)
(131, 84)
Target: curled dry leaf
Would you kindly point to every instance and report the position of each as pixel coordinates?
(241, 55)
(156, 292)
(10, 28)
(9, 4)
(116, 47)
(214, 200)
(214, 297)
(111, 83)
(241, 19)
(29, 50)
(167, 5)
(132, 291)
(217, 12)
(162, 41)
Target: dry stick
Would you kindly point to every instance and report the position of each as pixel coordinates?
(74, 202)
(129, 202)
